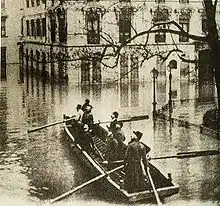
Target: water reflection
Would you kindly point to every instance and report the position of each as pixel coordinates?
(43, 165)
(124, 95)
(3, 117)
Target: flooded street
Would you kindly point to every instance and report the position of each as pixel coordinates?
(38, 166)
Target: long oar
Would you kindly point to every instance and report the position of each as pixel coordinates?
(154, 188)
(134, 118)
(49, 125)
(85, 184)
(179, 155)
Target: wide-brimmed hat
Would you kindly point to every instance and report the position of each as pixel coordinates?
(138, 134)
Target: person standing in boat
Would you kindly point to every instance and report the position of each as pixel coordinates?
(86, 140)
(86, 104)
(120, 137)
(114, 118)
(87, 117)
(135, 161)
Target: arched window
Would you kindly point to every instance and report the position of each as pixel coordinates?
(184, 23)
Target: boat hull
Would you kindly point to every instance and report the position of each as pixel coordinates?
(112, 182)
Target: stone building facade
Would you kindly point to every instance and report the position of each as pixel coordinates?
(10, 32)
(82, 40)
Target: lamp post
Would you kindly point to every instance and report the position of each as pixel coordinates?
(155, 75)
(170, 90)
(172, 65)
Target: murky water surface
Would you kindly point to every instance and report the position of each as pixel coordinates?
(38, 166)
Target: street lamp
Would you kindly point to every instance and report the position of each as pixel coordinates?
(172, 65)
(155, 75)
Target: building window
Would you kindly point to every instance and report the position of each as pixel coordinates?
(93, 27)
(3, 26)
(160, 16)
(38, 27)
(44, 29)
(184, 23)
(32, 3)
(52, 26)
(27, 3)
(62, 26)
(28, 27)
(124, 25)
(160, 1)
(32, 28)
(37, 2)
(3, 4)
(184, 1)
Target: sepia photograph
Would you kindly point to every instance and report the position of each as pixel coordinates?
(110, 103)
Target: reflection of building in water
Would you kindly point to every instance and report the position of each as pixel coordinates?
(77, 38)
(129, 95)
(3, 118)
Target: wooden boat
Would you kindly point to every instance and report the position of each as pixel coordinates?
(164, 186)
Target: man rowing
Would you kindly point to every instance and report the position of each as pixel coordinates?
(135, 162)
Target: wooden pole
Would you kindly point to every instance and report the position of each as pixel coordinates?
(154, 189)
(66, 194)
(179, 155)
(134, 118)
(49, 125)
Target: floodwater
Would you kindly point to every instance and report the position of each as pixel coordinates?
(38, 166)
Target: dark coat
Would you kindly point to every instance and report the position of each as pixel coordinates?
(135, 156)
(86, 141)
(112, 127)
(120, 137)
(87, 118)
(111, 149)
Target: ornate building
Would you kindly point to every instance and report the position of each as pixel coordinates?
(94, 41)
(10, 32)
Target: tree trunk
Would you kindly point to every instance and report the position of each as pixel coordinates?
(214, 44)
